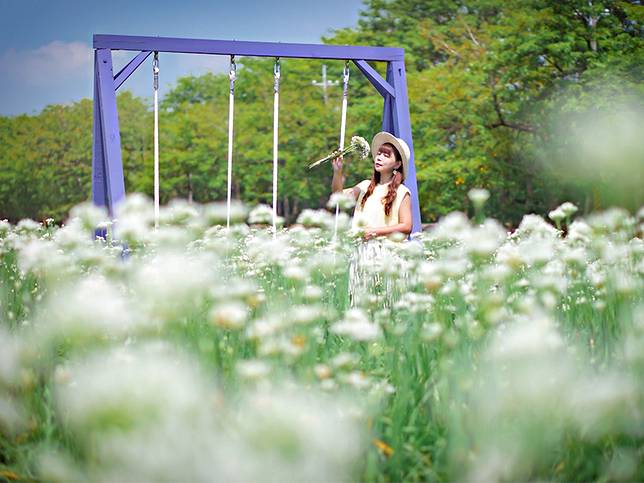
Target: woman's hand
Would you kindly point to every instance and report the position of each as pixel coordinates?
(370, 233)
(337, 164)
(337, 183)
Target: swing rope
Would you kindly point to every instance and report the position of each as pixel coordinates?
(232, 76)
(343, 126)
(155, 72)
(276, 100)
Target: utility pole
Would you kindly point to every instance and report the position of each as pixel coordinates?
(325, 83)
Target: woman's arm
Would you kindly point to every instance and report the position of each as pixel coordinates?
(337, 183)
(404, 225)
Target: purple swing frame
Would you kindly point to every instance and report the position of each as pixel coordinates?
(108, 186)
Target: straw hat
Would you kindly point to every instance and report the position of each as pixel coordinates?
(400, 145)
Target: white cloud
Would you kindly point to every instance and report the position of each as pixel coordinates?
(54, 61)
(62, 72)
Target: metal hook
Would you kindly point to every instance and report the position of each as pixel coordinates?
(345, 78)
(155, 70)
(233, 68)
(276, 68)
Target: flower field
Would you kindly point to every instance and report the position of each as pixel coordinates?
(205, 354)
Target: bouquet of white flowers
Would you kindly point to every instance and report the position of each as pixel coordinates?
(357, 145)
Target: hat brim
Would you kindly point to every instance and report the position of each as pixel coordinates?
(401, 146)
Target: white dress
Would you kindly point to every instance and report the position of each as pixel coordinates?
(374, 269)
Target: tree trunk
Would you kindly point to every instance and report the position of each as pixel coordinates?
(190, 188)
(592, 24)
(287, 211)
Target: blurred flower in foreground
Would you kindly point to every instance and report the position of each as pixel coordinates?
(601, 149)
(530, 394)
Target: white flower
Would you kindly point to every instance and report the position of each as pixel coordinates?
(305, 314)
(314, 218)
(344, 360)
(430, 275)
(229, 315)
(178, 212)
(431, 331)
(295, 435)
(43, 258)
(534, 225)
(345, 201)
(614, 221)
(253, 369)
(557, 215)
(173, 284)
(135, 219)
(244, 290)
(28, 227)
(478, 196)
(322, 371)
(603, 403)
(568, 209)
(483, 240)
(170, 235)
(5, 227)
(536, 337)
(265, 327)
(312, 293)
(362, 147)
(216, 213)
(75, 233)
(575, 256)
(92, 308)
(263, 215)
(357, 326)
(289, 347)
(451, 226)
(130, 388)
(640, 214)
(579, 231)
(295, 273)
(356, 379)
(358, 145)
(90, 215)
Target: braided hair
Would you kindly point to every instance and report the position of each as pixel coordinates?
(388, 199)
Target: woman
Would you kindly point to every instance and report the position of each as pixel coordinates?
(383, 208)
(383, 204)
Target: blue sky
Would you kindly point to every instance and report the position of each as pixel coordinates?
(46, 53)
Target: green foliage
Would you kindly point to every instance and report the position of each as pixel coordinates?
(485, 79)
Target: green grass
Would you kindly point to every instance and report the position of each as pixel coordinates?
(437, 424)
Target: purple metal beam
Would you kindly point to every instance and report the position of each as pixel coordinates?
(388, 110)
(113, 185)
(129, 69)
(255, 49)
(99, 194)
(396, 120)
(381, 85)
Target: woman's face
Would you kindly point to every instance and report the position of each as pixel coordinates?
(385, 161)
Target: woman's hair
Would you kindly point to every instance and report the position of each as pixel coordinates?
(389, 198)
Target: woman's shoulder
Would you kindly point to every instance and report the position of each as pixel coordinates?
(402, 190)
(364, 184)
